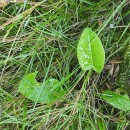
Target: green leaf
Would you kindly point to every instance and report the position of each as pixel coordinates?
(35, 91)
(118, 101)
(90, 51)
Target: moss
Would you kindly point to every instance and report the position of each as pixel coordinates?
(124, 75)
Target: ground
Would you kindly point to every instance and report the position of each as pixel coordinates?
(43, 37)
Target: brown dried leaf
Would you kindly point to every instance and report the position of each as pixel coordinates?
(100, 22)
(111, 70)
(116, 71)
(107, 67)
(108, 86)
(3, 3)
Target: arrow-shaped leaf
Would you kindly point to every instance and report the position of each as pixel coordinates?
(34, 91)
(90, 51)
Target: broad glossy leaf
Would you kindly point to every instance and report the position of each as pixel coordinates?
(34, 91)
(118, 101)
(90, 51)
